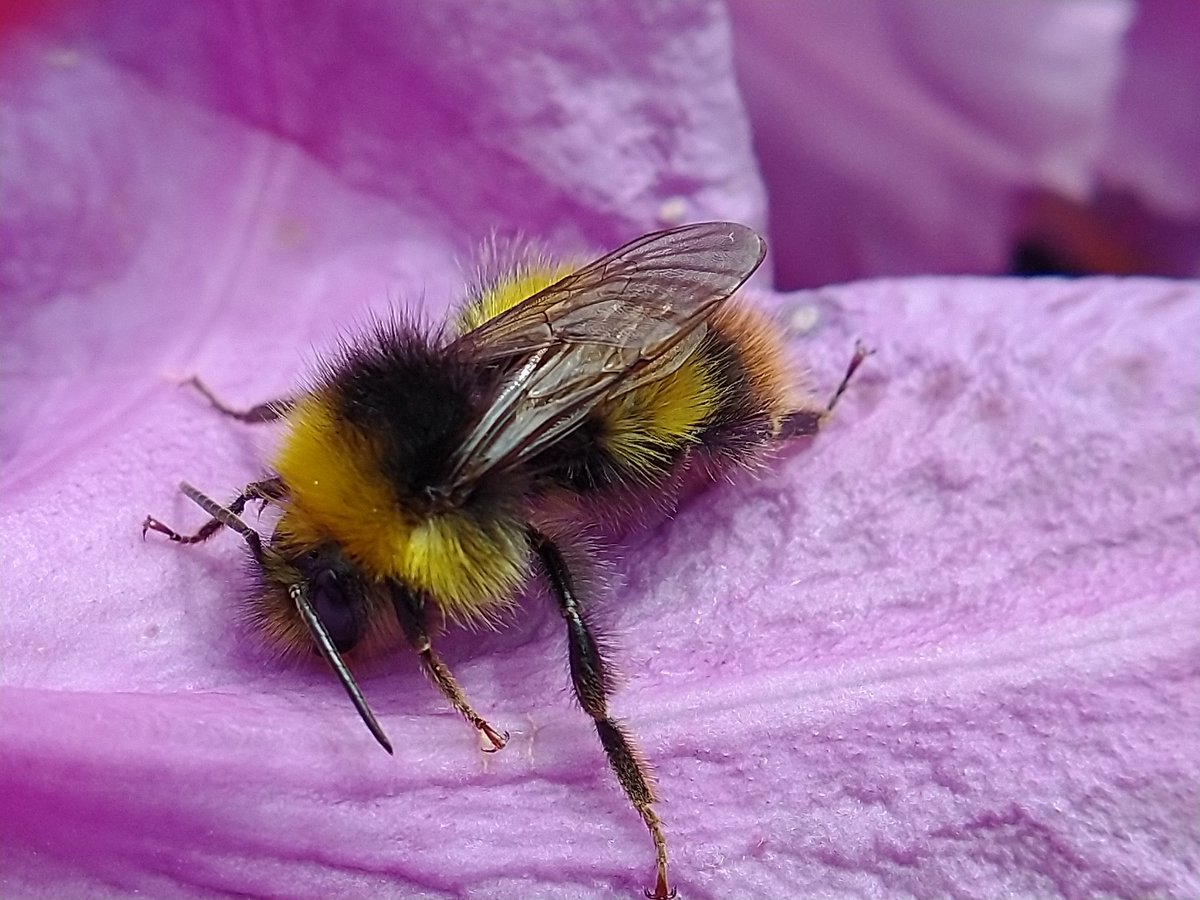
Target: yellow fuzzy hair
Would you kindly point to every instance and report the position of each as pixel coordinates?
(522, 283)
(338, 493)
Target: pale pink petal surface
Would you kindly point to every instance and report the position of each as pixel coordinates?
(907, 136)
(951, 648)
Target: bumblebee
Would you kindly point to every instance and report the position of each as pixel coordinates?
(421, 475)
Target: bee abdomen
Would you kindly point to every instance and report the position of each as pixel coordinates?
(755, 390)
(724, 405)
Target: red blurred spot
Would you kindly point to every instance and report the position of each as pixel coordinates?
(17, 14)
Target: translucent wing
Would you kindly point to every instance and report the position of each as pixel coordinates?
(628, 318)
(651, 286)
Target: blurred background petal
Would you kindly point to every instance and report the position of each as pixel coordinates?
(914, 137)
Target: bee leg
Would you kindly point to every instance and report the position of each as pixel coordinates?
(807, 422)
(221, 515)
(800, 423)
(590, 679)
(860, 354)
(263, 412)
(267, 490)
(410, 610)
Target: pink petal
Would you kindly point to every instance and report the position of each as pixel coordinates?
(1154, 143)
(896, 138)
(951, 648)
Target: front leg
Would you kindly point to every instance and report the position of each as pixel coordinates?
(591, 681)
(267, 490)
(410, 610)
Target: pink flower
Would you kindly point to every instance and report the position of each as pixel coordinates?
(913, 137)
(952, 648)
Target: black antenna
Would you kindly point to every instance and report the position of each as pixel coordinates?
(299, 596)
(226, 517)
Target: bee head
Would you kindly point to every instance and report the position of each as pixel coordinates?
(313, 596)
(320, 579)
(337, 593)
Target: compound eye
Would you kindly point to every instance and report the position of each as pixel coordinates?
(335, 610)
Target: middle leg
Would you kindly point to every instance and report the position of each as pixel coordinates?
(591, 680)
(270, 411)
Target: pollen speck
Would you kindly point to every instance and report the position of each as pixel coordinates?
(672, 210)
(804, 319)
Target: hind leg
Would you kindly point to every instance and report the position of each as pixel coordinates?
(807, 422)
